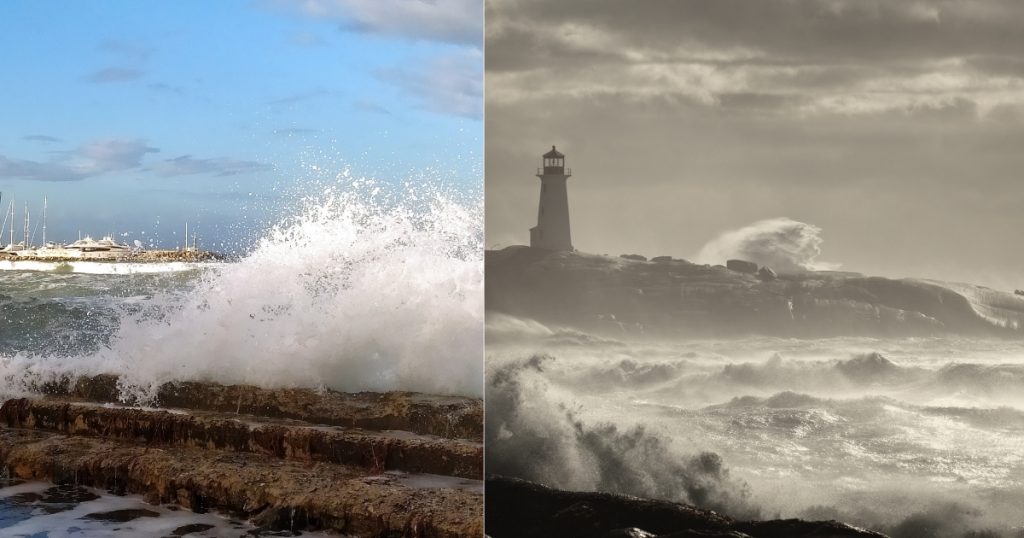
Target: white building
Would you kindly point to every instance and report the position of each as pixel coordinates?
(552, 229)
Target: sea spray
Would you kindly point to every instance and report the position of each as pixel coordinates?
(536, 435)
(367, 287)
(906, 436)
(781, 243)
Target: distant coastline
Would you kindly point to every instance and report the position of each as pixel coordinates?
(146, 256)
(669, 297)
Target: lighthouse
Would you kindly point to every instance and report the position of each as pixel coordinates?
(552, 229)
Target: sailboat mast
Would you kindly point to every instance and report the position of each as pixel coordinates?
(44, 221)
(4, 227)
(26, 226)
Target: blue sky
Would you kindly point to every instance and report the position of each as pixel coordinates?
(133, 117)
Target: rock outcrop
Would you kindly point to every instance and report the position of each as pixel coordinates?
(286, 439)
(443, 416)
(516, 508)
(283, 459)
(742, 266)
(677, 298)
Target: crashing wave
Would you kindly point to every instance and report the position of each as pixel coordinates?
(367, 287)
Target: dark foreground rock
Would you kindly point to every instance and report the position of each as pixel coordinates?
(287, 460)
(268, 491)
(516, 508)
(443, 416)
(372, 450)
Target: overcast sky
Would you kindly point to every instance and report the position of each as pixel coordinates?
(133, 117)
(895, 126)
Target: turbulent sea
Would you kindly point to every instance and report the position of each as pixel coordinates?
(364, 288)
(911, 436)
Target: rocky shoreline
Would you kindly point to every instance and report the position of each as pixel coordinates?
(669, 297)
(517, 508)
(367, 464)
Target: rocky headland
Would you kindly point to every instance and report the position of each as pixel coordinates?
(668, 297)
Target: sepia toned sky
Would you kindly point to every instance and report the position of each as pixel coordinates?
(897, 127)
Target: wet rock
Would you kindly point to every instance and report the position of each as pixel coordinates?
(377, 451)
(767, 274)
(706, 534)
(631, 532)
(520, 508)
(68, 494)
(661, 259)
(121, 516)
(185, 530)
(805, 529)
(635, 257)
(281, 493)
(517, 508)
(286, 460)
(449, 417)
(741, 266)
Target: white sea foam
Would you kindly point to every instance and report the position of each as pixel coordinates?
(892, 434)
(368, 287)
(90, 517)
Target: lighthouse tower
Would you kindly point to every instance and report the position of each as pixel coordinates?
(552, 229)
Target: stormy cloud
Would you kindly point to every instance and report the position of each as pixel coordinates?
(892, 126)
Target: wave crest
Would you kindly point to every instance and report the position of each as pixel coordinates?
(781, 243)
(367, 287)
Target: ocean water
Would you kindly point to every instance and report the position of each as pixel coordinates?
(47, 312)
(365, 287)
(912, 437)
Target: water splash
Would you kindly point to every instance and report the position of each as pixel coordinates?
(367, 287)
(781, 243)
(905, 436)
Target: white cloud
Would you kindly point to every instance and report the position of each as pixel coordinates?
(449, 84)
(451, 21)
(92, 159)
(106, 156)
(219, 166)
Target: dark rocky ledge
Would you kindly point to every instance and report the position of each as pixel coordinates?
(394, 464)
(449, 417)
(373, 450)
(517, 508)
